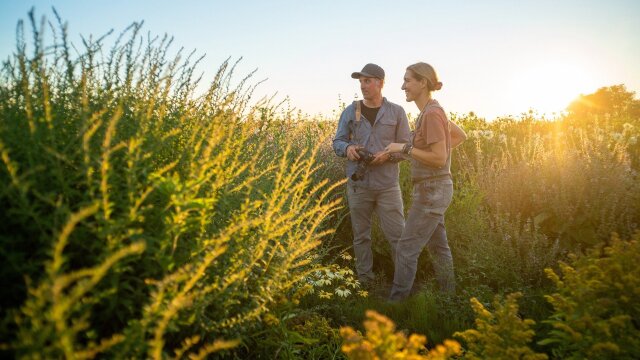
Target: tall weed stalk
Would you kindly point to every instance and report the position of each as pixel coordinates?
(149, 220)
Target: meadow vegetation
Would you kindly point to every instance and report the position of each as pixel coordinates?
(148, 216)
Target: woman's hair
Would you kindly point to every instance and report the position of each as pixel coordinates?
(424, 71)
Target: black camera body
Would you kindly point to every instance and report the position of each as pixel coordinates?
(362, 165)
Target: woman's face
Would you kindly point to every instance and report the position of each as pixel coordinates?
(412, 87)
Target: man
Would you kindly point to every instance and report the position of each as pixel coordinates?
(371, 124)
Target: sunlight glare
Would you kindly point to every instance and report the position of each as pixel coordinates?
(548, 87)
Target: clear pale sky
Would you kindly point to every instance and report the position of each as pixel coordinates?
(494, 57)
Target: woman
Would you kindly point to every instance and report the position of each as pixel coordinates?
(430, 154)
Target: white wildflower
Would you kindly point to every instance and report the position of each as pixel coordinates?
(351, 282)
(342, 291)
(323, 282)
(339, 274)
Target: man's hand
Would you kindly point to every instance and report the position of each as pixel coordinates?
(352, 152)
(380, 157)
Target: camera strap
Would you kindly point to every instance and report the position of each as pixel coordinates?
(358, 111)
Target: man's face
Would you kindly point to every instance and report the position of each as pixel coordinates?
(371, 87)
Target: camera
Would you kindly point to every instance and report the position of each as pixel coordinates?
(362, 165)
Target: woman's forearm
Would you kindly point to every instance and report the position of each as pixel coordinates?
(435, 157)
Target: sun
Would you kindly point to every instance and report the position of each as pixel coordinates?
(548, 87)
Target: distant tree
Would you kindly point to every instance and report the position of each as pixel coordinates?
(616, 101)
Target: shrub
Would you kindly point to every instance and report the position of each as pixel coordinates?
(574, 183)
(148, 220)
(480, 240)
(596, 309)
(292, 334)
(383, 342)
(501, 334)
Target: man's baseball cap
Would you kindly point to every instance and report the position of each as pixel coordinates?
(370, 70)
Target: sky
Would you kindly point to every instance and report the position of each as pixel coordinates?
(495, 58)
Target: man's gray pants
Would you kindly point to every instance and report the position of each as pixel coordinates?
(425, 227)
(387, 203)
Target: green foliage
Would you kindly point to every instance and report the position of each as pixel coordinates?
(56, 313)
(110, 153)
(596, 309)
(292, 334)
(480, 240)
(439, 315)
(501, 334)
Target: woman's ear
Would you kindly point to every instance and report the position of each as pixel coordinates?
(425, 83)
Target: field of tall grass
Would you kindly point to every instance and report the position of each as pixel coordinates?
(144, 217)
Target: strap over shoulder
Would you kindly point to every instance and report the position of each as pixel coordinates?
(424, 110)
(358, 110)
